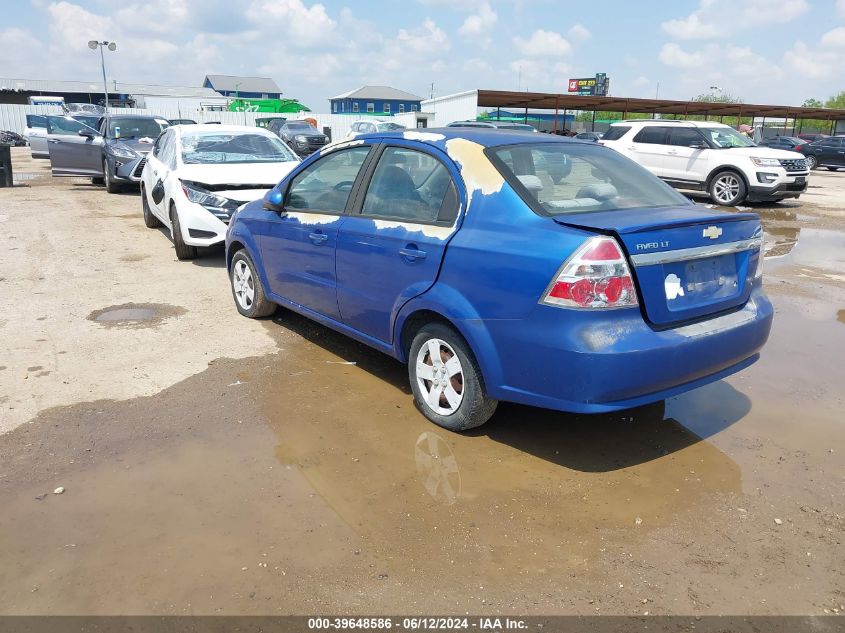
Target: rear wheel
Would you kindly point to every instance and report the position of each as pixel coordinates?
(183, 251)
(150, 221)
(727, 188)
(812, 162)
(446, 380)
(247, 290)
(108, 181)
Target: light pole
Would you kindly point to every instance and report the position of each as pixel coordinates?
(93, 45)
(238, 96)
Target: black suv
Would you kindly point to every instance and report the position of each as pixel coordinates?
(828, 152)
(301, 137)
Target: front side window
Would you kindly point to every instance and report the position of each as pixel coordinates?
(651, 134)
(563, 178)
(67, 125)
(411, 186)
(390, 127)
(726, 137)
(324, 186)
(233, 147)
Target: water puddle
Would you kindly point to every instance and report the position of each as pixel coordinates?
(135, 315)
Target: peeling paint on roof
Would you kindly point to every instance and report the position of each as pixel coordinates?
(340, 145)
(438, 232)
(478, 172)
(313, 218)
(413, 135)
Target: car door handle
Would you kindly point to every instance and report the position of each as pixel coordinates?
(52, 140)
(412, 254)
(318, 238)
(673, 152)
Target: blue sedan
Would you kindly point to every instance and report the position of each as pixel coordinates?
(507, 266)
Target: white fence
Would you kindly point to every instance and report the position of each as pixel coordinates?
(13, 116)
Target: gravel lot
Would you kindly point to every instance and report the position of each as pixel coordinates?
(213, 464)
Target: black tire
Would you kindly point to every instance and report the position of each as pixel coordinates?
(150, 221)
(812, 162)
(718, 184)
(833, 168)
(111, 186)
(260, 306)
(475, 407)
(183, 251)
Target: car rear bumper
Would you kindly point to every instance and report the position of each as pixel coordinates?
(560, 359)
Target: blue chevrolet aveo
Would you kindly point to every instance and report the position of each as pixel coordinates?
(507, 266)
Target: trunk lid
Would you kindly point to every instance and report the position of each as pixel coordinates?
(687, 262)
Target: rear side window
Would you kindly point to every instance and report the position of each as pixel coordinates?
(684, 136)
(616, 132)
(562, 178)
(651, 134)
(411, 186)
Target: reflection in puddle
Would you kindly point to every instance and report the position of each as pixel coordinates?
(437, 467)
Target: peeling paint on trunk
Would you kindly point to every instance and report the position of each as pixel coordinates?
(437, 232)
(478, 172)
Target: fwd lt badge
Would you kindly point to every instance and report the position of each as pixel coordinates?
(713, 232)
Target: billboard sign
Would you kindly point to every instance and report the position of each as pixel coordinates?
(592, 86)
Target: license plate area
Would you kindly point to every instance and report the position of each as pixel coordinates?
(702, 282)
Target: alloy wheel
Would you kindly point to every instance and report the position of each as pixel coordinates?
(726, 188)
(440, 376)
(243, 284)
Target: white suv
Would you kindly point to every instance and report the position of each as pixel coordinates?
(711, 157)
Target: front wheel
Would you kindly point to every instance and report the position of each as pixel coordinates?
(812, 162)
(446, 380)
(108, 180)
(247, 290)
(183, 251)
(150, 221)
(727, 188)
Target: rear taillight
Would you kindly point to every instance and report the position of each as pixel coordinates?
(596, 276)
(798, 148)
(758, 237)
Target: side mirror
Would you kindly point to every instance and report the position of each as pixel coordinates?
(698, 145)
(86, 133)
(273, 200)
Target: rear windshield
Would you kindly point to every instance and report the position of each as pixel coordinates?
(563, 178)
(615, 132)
(231, 147)
(135, 127)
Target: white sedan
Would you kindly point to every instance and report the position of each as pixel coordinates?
(196, 176)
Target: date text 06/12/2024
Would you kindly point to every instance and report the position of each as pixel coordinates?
(492, 624)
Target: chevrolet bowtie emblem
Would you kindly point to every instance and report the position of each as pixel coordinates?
(713, 232)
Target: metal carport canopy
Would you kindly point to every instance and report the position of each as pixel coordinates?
(552, 101)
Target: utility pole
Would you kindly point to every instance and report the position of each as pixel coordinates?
(112, 46)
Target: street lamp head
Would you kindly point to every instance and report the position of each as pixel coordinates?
(92, 44)
(112, 46)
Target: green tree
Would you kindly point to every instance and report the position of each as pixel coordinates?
(813, 125)
(812, 103)
(837, 101)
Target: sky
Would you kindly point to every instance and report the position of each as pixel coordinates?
(761, 51)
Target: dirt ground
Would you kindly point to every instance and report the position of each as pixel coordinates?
(213, 464)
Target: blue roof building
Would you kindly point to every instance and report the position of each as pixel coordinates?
(376, 100)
